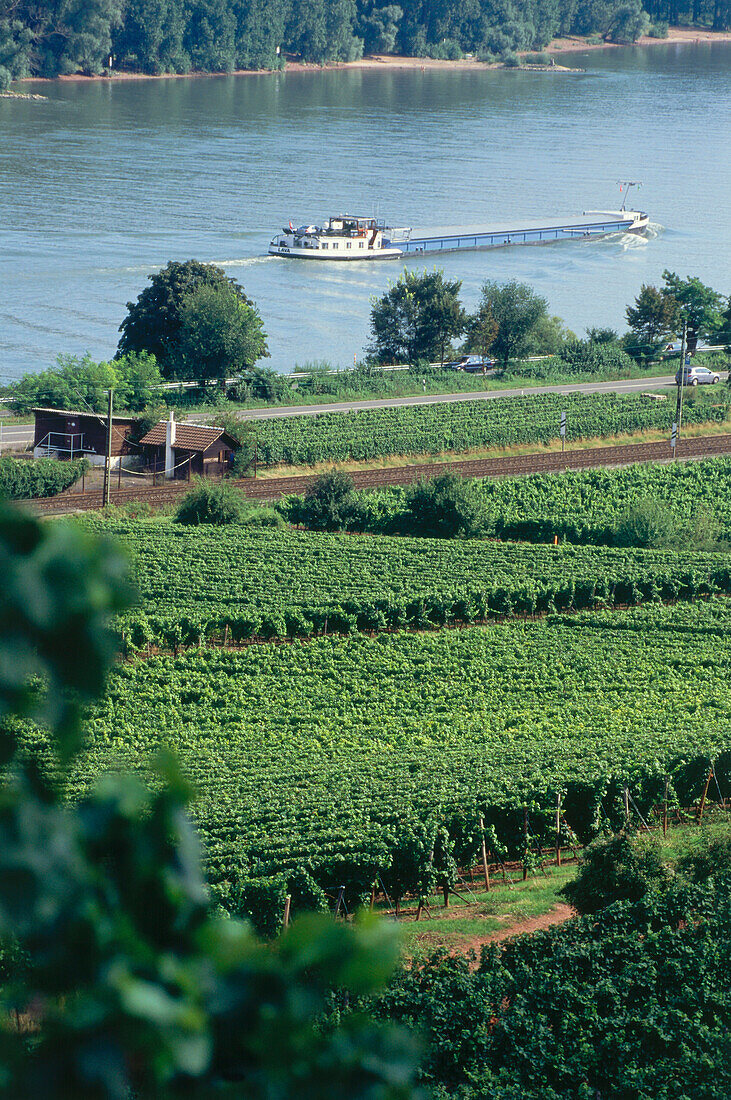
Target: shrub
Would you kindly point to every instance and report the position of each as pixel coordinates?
(262, 517)
(650, 524)
(541, 58)
(328, 502)
(595, 357)
(445, 507)
(210, 502)
(658, 29)
(710, 855)
(618, 868)
(510, 60)
(448, 50)
(23, 478)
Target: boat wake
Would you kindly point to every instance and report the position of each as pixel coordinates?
(248, 261)
(639, 240)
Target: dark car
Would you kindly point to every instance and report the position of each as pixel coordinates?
(470, 363)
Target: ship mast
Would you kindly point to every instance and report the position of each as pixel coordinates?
(624, 186)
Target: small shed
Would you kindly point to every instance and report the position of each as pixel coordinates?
(181, 450)
(71, 433)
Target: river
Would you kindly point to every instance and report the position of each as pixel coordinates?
(106, 181)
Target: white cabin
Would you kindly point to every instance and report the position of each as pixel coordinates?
(345, 237)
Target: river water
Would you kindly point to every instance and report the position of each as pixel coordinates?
(105, 182)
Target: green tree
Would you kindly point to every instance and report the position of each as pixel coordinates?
(131, 984)
(597, 335)
(16, 41)
(151, 38)
(219, 335)
(447, 506)
(81, 383)
(379, 26)
(322, 30)
(698, 305)
(72, 36)
(630, 21)
(416, 318)
(723, 336)
(210, 35)
(260, 33)
(518, 311)
(548, 336)
(153, 323)
(653, 316)
(614, 20)
(482, 328)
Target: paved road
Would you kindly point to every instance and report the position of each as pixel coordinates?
(16, 437)
(632, 386)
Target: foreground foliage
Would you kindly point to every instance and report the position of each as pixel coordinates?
(117, 978)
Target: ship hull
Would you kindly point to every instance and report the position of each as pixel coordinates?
(291, 253)
(398, 244)
(455, 239)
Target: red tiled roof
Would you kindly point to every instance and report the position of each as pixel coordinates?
(188, 437)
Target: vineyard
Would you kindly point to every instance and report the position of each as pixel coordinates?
(234, 583)
(581, 506)
(464, 426)
(325, 758)
(586, 506)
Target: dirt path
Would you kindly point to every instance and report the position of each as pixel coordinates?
(558, 915)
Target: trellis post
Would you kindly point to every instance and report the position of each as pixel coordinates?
(704, 796)
(525, 841)
(484, 853)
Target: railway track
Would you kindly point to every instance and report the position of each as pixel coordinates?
(274, 488)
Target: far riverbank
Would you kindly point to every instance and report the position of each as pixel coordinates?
(558, 47)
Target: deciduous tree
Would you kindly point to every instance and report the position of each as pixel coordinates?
(482, 329)
(698, 305)
(220, 336)
(153, 323)
(517, 310)
(416, 318)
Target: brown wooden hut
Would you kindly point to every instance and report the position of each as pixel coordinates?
(183, 450)
(70, 433)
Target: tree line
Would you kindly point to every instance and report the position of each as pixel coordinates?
(61, 37)
(195, 323)
(421, 315)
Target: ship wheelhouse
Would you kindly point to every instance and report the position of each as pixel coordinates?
(344, 237)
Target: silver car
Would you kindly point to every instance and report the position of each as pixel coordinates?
(697, 376)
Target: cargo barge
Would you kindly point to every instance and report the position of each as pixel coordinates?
(349, 237)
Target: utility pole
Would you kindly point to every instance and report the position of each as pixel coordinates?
(681, 385)
(108, 461)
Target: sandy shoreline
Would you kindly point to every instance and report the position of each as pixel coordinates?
(559, 46)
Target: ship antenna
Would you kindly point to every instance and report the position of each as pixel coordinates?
(624, 186)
